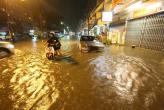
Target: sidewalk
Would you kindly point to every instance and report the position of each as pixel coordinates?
(154, 58)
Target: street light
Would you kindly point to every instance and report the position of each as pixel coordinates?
(61, 23)
(29, 18)
(3, 9)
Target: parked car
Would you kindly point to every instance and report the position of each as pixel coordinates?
(90, 43)
(6, 49)
(5, 35)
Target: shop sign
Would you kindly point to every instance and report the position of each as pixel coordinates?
(107, 16)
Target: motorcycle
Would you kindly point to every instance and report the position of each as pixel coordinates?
(50, 52)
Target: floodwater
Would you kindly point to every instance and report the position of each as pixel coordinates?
(119, 78)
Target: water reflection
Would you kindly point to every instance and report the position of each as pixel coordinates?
(100, 81)
(126, 79)
(32, 86)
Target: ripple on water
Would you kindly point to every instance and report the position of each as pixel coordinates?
(32, 84)
(130, 79)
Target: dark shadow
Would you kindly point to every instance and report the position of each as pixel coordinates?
(95, 51)
(65, 58)
(6, 56)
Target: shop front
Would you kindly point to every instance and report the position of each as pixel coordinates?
(145, 26)
(116, 35)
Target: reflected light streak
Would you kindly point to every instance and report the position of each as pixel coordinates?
(30, 84)
(125, 74)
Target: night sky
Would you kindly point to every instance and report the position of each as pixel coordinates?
(71, 10)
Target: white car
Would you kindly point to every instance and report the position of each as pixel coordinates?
(90, 43)
(6, 49)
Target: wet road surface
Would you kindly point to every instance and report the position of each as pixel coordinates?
(119, 78)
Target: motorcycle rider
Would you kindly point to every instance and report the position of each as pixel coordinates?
(54, 42)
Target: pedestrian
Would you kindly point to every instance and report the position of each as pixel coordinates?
(54, 42)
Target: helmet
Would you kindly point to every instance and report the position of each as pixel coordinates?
(51, 34)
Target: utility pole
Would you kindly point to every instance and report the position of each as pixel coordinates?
(7, 13)
(40, 17)
(88, 26)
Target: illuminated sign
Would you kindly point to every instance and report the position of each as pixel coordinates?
(135, 6)
(147, 9)
(107, 16)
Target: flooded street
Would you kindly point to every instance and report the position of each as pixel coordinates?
(119, 78)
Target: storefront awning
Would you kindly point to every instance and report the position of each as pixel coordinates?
(117, 23)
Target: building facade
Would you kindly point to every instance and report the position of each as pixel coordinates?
(128, 22)
(21, 16)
